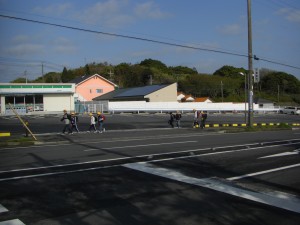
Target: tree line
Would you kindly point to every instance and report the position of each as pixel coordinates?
(225, 84)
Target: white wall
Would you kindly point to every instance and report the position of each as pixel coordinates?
(58, 102)
(2, 104)
(174, 106)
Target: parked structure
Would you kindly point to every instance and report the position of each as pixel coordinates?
(88, 87)
(29, 97)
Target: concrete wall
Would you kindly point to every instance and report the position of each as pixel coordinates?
(136, 106)
(2, 104)
(167, 94)
(58, 102)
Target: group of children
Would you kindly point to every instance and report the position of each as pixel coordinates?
(71, 122)
(198, 115)
(175, 117)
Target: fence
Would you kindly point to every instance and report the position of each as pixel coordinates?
(91, 107)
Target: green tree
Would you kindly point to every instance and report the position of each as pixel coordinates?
(229, 71)
(19, 80)
(151, 63)
(182, 70)
(67, 75)
(87, 70)
(121, 71)
(281, 81)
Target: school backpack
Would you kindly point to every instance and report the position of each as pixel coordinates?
(95, 118)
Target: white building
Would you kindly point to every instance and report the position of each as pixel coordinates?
(30, 97)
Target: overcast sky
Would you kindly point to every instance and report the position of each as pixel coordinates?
(219, 25)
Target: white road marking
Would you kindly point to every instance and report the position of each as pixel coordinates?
(55, 173)
(66, 143)
(295, 152)
(291, 204)
(123, 158)
(3, 209)
(263, 172)
(146, 145)
(12, 222)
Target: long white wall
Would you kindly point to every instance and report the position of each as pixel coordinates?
(137, 106)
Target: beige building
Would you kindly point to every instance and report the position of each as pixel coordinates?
(151, 93)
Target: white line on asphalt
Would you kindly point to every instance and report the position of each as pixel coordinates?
(216, 153)
(12, 222)
(295, 152)
(108, 141)
(3, 209)
(56, 173)
(263, 172)
(291, 204)
(123, 158)
(146, 145)
(141, 156)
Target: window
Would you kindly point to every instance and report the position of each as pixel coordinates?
(99, 90)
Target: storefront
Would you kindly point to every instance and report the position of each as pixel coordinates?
(27, 98)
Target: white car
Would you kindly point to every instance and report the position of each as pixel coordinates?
(290, 110)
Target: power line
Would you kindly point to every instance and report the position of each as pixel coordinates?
(123, 36)
(141, 39)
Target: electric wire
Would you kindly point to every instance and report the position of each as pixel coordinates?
(143, 39)
(124, 36)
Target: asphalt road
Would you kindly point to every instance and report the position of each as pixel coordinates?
(51, 123)
(156, 176)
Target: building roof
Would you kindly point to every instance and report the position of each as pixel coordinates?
(258, 100)
(203, 99)
(136, 93)
(81, 79)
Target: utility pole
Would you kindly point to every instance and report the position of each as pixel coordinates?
(278, 94)
(110, 74)
(43, 72)
(250, 67)
(222, 90)
(25, 74)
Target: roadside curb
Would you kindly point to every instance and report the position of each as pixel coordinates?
(4, 134)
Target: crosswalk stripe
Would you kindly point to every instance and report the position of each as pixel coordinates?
(291, 204)
(12, 222)
(3, 209)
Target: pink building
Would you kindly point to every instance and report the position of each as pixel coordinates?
(91, 86)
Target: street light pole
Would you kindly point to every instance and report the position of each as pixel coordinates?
(250, 67)
(245, 91)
